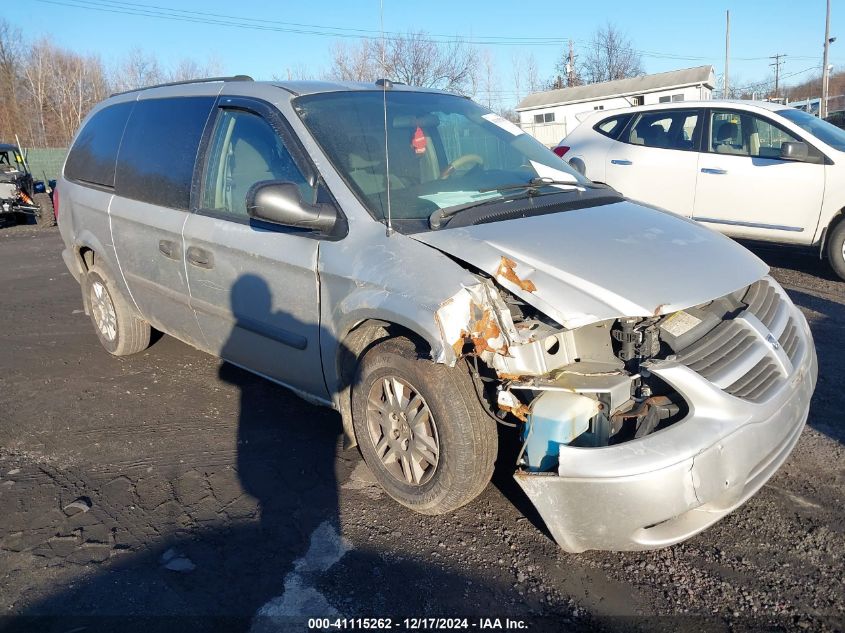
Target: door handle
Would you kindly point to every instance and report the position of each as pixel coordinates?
(709, 170)
(169, 249)
(199, 257)
(616, 161)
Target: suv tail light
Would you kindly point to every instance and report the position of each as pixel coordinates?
(56, 202)
(560, 150)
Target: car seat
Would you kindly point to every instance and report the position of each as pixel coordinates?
(724, 141)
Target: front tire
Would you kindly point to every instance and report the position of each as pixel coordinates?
(421, 429)
(836, 249)
(120, 330)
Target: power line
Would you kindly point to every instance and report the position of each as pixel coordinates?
(261, 24)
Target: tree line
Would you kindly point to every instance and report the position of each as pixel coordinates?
(416, 59)
(47, 90)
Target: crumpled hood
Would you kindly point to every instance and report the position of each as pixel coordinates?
(590, 265)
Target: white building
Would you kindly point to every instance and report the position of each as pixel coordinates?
(551, 115)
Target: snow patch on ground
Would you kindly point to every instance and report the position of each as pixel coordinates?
(300, 599)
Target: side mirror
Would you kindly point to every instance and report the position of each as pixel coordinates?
(794, 151)
(281, 203)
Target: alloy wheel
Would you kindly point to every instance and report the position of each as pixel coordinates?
(403, 431)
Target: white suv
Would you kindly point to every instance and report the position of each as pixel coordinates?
(752, 170)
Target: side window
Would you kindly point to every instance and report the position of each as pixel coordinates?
(665, 129)
(244, 150)
(728, 133)
(744, 134)
(612, 127)
(159, 149)
(94, 154)
(765, 138)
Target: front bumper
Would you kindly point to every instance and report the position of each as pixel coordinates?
(666, 487)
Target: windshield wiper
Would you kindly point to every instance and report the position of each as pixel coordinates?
(531, 188)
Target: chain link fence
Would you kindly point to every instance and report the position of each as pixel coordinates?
(45, 163)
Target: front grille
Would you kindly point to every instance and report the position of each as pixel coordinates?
(723, 355)
(766, 303)
(790, 341)
(757, 384)
(742, 361)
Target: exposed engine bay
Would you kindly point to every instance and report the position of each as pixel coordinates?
(586, 387)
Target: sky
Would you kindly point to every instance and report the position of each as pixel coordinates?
(275, 37)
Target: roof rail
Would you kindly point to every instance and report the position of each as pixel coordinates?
(185, 82)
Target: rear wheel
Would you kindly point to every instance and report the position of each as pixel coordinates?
(45, 217)
(120, 330)
(836, 249)
(421, 429)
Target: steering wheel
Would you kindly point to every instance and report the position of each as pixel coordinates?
(461, 161)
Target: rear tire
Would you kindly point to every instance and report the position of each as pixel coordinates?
(836, 249)
(421, 429)
(120, 330)
(46, 217)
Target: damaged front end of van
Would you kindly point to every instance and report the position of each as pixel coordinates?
(651, 399)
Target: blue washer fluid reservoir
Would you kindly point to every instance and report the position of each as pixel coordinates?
(556, 417)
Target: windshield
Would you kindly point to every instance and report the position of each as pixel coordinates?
(444, 150)
(821, 129)
(10, 159)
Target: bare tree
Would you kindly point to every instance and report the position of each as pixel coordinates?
(517, 65)
(83, 85)
(610, 55)
(354, 62)
(12, 120)
(532, 75)
(489, 81)
(37, 73)
(187, 69)
(299, 72)
(138, 69)
(414, 59)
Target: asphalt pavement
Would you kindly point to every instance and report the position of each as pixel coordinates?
(170, 491)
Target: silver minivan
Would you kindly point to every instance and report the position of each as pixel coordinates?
(438, 277)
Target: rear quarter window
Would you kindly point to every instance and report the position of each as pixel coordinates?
(159, 149)
(613, 126)
(94, 153)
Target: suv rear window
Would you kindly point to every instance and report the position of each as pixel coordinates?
(94, 154)
(156, 162)
(613, 126)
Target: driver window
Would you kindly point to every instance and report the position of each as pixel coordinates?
(245, 150)
(729, 133)
(765, 139)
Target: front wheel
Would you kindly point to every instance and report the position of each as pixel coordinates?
(836, 249)
(421, 429)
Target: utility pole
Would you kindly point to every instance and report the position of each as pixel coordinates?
(825, 65)
(777, 64)
(727, 54)
(570, 66)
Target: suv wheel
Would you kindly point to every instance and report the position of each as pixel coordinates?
(46, 217)
(836, 249)
(421, 429)
(120, 330)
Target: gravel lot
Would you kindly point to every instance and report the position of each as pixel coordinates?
(188, 494)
